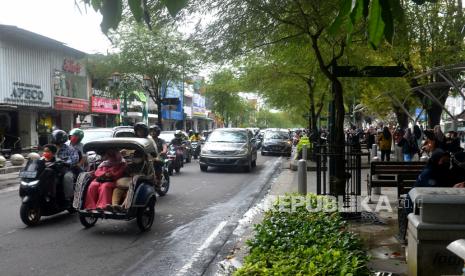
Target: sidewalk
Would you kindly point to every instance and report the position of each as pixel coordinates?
(376, 229)
(9, 168)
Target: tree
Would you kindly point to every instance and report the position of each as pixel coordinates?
(113, 11)
(160, 55)
(435, 38)
(242, 26)
(287, 77)
(223, 94)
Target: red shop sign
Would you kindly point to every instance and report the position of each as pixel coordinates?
(71, 104)
(105, 105)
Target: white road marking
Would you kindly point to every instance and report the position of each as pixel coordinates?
(204, 246)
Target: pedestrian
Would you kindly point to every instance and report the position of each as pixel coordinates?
(409, 145)
(440, 137)
(371, 136)
(385, 143)
(418, 133)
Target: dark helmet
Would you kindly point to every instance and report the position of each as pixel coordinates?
(59, 137)
(196, 133)
(191, 132)
(143, 127)
(177, 134)
(77, 132)
(155, 128)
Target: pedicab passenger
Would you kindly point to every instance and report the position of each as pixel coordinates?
(100, 190)
(136, 167)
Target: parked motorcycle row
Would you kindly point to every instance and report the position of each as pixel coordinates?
(38, 175)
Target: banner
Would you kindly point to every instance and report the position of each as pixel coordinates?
(105, 105)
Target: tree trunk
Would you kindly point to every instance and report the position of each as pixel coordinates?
(312, 113)
(402, 118)
(434, 111)
(337, 185)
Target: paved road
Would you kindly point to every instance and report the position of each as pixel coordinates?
(192, 223)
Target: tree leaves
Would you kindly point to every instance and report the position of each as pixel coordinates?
(112, 10)
(174, 6)
(136, 9)
(375, 24)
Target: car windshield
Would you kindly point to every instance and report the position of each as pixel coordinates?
(281, 135)
(228, 136)
(96, 134)
(167, 135)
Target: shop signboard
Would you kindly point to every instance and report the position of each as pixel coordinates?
(198, 105)
(71, 104)
(173, 112)
(105, 105)
(27, 94)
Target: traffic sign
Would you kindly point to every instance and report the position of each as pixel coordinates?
(370, 71)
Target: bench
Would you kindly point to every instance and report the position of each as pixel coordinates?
(386, 174)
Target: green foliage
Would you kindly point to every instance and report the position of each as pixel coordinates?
(112, 10)
(304, 243)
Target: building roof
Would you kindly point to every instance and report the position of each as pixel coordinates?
(13, 33)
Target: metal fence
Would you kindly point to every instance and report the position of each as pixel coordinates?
(323, 154)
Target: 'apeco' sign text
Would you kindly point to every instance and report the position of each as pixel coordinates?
(71, 66)
(24, 93)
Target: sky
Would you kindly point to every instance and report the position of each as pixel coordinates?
(57, 19)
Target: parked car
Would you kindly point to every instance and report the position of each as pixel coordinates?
(168, 136)
(276, 141)
(229, 147)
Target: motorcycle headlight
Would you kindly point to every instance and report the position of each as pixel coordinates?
(32, 183)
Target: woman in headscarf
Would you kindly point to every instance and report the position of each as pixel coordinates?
(100, 190)
(385, 142)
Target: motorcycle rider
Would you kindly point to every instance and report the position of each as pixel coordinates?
(190, 133)
(162, 149)
(195, 137)
(70, 156)
(141, 130)
(75, 138)
(178, 138)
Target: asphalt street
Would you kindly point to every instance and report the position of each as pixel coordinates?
(192, 223)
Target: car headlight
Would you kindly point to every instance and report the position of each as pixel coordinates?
(32, 183)
(242, 151)
(205, 151)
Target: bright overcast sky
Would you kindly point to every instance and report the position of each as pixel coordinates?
(57, 19)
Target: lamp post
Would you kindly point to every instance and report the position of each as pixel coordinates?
(147, 84)
(114, 81)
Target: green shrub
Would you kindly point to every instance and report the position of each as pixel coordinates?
(304, 243)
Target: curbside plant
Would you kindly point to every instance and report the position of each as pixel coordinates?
(304, 243)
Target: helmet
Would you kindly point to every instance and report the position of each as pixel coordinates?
(177, 134)
(191, 132)
(59, 137)
(142, 127)
(155, 128)
(77, 132)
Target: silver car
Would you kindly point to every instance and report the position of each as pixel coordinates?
(229, 147)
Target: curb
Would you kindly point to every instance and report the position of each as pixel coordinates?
(10, 169)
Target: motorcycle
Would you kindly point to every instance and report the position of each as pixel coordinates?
(175, 154)
(162, 190)
(35, 180)
(195, 149)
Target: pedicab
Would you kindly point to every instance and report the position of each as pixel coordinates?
(140, 199)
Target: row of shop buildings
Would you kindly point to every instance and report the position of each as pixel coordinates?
(44, 85)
